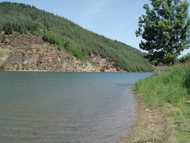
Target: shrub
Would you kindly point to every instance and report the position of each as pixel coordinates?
(51, 38)
(7, 28)
(73, 49)
(21, 28)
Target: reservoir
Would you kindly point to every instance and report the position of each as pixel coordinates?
(66, 107)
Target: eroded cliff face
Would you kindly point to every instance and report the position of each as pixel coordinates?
(31, 53)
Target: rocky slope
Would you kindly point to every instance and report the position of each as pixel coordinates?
(31, 53)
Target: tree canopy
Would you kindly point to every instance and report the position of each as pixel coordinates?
(164, 29)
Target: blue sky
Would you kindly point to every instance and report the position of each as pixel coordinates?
(116, 19)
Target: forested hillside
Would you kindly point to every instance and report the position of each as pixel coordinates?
(76, 40)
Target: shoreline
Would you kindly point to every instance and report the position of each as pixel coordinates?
(44, 71)
(152, 125)
(60, 71)
(165, 99)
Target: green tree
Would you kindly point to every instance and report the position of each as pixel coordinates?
(164, 29)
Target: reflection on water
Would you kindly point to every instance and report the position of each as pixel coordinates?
(66, 107)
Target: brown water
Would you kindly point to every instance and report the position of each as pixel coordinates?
(66, 107)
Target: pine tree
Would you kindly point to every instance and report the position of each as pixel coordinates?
(164, 29)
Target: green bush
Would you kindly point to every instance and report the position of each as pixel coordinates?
(73, 49)
(51, 38)
(7, 28)
(21, 28)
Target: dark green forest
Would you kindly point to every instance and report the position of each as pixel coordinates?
(80, 42)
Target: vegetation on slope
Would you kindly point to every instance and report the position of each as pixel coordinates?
(171, 88)
(76, 40)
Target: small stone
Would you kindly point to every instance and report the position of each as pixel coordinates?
(147, 110)
(25, 62)
(6, 41)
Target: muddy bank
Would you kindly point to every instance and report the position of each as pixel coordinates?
(31, 53)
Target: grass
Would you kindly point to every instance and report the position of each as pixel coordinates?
(170, 88)
(68, 35)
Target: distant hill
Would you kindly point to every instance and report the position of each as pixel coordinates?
(74, 39)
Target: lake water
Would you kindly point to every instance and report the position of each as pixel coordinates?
(66, 107)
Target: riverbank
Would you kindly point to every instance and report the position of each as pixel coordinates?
(152, 126)
(164, 108)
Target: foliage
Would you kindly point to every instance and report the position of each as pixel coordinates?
(170, 88)
(51, 38)
(165, 30)
(75, 39)
(9, 28)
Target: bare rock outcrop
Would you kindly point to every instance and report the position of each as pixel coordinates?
(31, 53)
